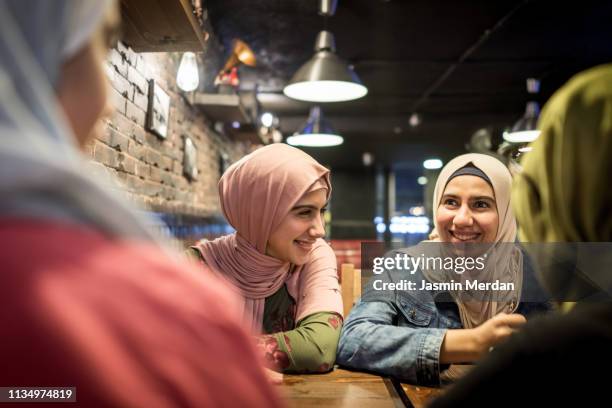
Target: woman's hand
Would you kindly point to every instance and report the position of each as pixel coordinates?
(468, 345)
(496, 330)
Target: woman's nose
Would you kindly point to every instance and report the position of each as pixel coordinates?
(463, 218)
(317, 230)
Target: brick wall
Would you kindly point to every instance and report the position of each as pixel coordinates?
(151, 168)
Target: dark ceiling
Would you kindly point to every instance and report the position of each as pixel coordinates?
(461, 65)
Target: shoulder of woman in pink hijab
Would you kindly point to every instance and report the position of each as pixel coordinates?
(316, 285)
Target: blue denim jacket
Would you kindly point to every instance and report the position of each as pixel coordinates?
(400, 333)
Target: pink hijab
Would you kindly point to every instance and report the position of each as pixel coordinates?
(256, 193)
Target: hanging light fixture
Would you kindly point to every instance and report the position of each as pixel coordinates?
(432, 164)
(187, 77)
(525, 129)
(317, 132)
(325, 77)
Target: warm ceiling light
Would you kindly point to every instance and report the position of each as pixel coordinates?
(432, 164)
(422, 180)
(325, 77)
(187, 77)
(267, 119)
(525, 129)
(317, 132)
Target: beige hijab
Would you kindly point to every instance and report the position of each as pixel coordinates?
(256, 193)
(504, 262)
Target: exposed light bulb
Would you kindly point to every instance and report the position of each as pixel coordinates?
(267, 119)
(187, 77)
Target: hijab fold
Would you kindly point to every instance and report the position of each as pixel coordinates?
(563, 194)
(504, 261)
(256, 194)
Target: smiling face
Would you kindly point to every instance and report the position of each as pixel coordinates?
(467, 212)
(294, 238)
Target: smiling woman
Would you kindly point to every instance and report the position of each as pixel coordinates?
(431, 334)
(277, 260)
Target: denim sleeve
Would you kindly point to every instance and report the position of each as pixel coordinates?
(371, 341)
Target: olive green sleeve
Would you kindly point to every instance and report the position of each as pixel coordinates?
(310, 347)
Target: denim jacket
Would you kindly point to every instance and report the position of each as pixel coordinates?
(400, 333)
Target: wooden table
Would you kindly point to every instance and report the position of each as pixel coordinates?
(339, 388)
(414, 395)
(343, 388)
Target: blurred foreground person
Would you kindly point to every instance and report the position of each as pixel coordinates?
(563, 196)
(89, 298)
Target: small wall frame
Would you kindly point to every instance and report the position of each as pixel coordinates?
(190, 160)
(158, 111)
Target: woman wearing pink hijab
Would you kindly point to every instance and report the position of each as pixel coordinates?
(277, 260)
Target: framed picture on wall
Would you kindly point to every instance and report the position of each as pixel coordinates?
(158, 111)
(190, 160)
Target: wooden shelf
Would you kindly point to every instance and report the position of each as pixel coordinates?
(161, 26)
(222, 107)
(228, 108)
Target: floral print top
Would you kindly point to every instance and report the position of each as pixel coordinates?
(295, 347)
(308, 346)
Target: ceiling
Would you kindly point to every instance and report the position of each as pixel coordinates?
(461, 65)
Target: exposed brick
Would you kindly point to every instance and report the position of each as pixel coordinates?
(109, 69)
(118, 141)
(105, 155)
(155, 174)
(137, 150)
(141, 100)
(143, 170)
(105, 136)
(138, 80)
(138, 133)
(150, 188)
(142, 160)
(117, 100)
(167, 178)
(122, 47)
(166, 163)
(140, 64)
(153, 157)
(177, 167)
(169, 192)
(126, 163)
(180, 181)
(118, 61)
(121, 85)
(154, 141)
(135, 114)
(130, 182)
(173, 151)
